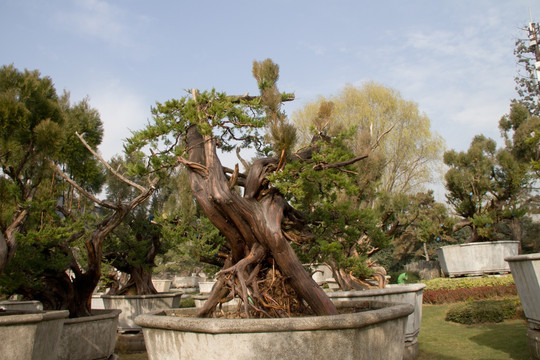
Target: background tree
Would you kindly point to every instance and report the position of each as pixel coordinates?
(31, 123)
(485, 187)
(407, 156)
(43, 175)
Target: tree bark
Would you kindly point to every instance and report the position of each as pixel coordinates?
(251, 224)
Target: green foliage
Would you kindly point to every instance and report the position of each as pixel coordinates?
(467, 282)
(404, 151)
(329, 201)
(39, 254)
(485, 187)
(486, 311)
(187, 303)
(232, 121)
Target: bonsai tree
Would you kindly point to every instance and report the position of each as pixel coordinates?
(486, 187)
(251, 212)
(45, 166)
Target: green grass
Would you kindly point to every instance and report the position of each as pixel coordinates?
(444, 340)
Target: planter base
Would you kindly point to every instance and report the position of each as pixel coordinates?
(409, 294)
(476, 259)
(91, 337)
(31, 335)
(133, 305)
(377, 333)
(533, 339)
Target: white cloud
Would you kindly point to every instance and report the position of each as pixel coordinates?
(97, 19)
(121, 112)
(317, 49)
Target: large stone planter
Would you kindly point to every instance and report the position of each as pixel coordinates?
(162, 285)
(31, 335)
(476, 258)
(526, 273)
(134, 305)
(205, 287)
(374, 334)
(89, 338)
(409, 294)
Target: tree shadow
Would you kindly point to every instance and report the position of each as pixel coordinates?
(428, 355)
(510, 338)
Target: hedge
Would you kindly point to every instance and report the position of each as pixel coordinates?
(490, 311)
(467, 282)
(444, 296)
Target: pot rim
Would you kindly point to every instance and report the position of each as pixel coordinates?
(381, 312)
(524, 257)
(28, 317)
(150, 296)
(398, 289)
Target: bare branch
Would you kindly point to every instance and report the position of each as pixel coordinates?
(102, 203)
(339, 164)
(381, 136)
(106, 164)
(199, 168)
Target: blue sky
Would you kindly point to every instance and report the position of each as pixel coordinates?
(454, 58)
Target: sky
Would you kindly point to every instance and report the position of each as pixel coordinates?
(454, 58)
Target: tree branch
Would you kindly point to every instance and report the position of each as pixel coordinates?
(106, 164)
(339, 164)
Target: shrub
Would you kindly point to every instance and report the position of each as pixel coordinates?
(491, 311)
(187, 302)
(467, 282)
(444, 296)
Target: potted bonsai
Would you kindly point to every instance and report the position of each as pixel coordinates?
(485, 188)
(51, 242)
(259, 223)
(132, 249)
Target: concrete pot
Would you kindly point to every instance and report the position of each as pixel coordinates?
(205, 287)
(133, 305)
(377, 333)
(162, 286)
(526, 273)
(409, 294)
(90, 337)
(31, 335)
(21, 305)
(476, 259)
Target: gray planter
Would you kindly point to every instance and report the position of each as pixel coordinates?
(526, 273)
(409, 294)
(205, 287)
(162, 285)
(31, 335)
(26, 305)
(89, 338)
(476, 259)
(374, 334)
(134, 305)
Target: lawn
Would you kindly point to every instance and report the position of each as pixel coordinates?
(441, 340)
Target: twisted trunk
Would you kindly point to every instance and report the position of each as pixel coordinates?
(252, 225)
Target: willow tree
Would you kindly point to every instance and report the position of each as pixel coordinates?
(256, 219)
(407, 157)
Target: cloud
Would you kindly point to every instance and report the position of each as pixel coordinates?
(97, 19)
(121, 111)
(317, 49)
